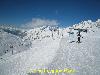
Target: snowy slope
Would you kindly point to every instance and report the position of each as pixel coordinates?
(21, 63)
(41, 51)
(10, 39)
(83, 57)
(50, 47)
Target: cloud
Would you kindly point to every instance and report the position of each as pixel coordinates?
(38, 22)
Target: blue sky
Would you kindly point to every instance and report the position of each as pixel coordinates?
(67, 12)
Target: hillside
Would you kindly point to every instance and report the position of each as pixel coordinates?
(22, 50)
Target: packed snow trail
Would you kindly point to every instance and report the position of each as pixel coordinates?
(21, 63)
(84, 57)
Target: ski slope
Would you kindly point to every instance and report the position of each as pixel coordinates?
(50, 49)
(21, 63)
(83, 57)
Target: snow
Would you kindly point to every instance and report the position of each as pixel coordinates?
(83, 57)
(41, 52)
(45, 48)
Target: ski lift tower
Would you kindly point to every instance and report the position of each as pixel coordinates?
(71, 35)
(79, 33)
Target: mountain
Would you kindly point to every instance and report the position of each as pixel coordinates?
(23, 50)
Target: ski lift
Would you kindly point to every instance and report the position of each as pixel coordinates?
(79, 33)
(71, 36)
(81, 30)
